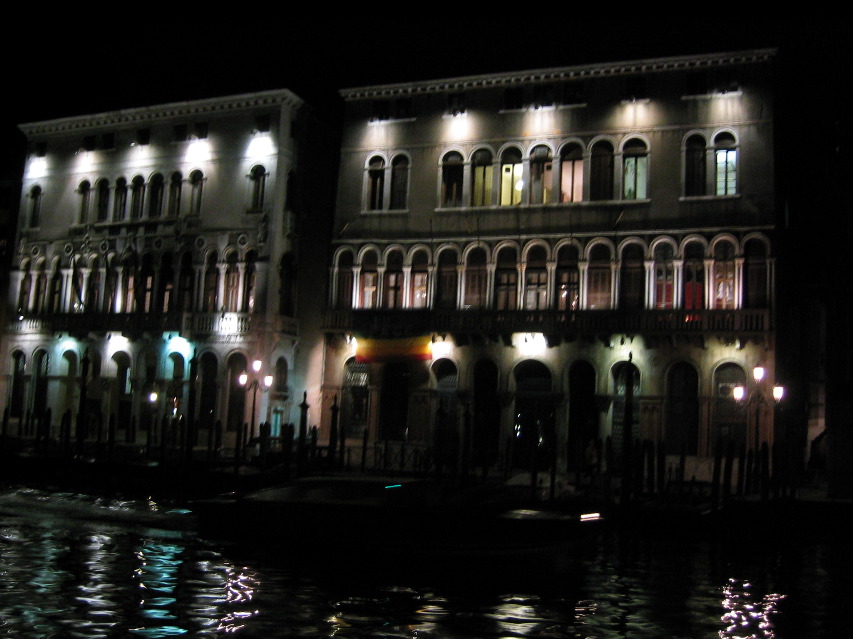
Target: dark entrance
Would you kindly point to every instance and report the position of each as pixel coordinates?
(533, 445)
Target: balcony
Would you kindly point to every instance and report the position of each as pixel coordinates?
(748, 324)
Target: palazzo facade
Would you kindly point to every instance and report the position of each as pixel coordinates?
(511, 251)
(156, 259)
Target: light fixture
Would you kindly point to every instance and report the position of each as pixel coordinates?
(758, 373)
(778, 393)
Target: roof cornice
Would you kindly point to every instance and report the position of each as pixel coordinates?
(606, 69)
(163, 112)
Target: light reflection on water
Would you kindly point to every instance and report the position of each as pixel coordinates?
(78, 576)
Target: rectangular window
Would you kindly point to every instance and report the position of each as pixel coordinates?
(536, 290)
(393, 290)
(567, 290)
(505, 290)
(482, 192)
(726, 171)
(419, 290)
(541, 175)
(511, 184)
(475, 287)
(571, 181)
(368, 290)
(634, 178)
(598, 293)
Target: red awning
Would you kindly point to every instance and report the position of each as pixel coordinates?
(371, 350)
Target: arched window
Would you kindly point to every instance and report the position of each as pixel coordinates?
(482, 178)
(664, 275)
(85, 192)
(399, 182)
(236, 393)
(693, 276)
(446, 280)
(599, 287)
(250, 276)
(725, 152)
(232, 283)
(196, 186)
(103, 200)
(355, 396)
(128, 274)
(137, 197)
(369, 280)
(724, 275)
(40, 297)
(536, 279)
(166, 284)
(35, 206)
(93, 288)
(376, 184)
(392, 292)
(54, 304)
(211, 284)
(16, 396)
(345, 281)
(632, 277)
(601, 171)
(280, 378)
(635, 170)
(145, 286)
(155, 196)
(541, 175)
(24, 290)
(512, 182)
(476, 279)
(571, 173)
(186, 283)
(567, 287)
(176, 182)
(694, 166)
(452, 173)
(420, 280)
(625, 373)
(755, 274)
(258, 178)
(119, 200)
(506, 280)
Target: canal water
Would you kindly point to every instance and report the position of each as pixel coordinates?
(73, 565)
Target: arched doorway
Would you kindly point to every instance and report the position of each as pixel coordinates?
(394, 401)
(446, 411)
(682, 420)
(486, 414)
(583, 414)
(534, 440)
(623, 374)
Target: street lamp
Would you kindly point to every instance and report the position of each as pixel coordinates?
(756, 395)
(253, 385)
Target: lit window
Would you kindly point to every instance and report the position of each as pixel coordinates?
(693, 276)
(536, 280)
(482, 178)
(599, 278)
(726, 164)
(635, 166)
(571, 174)
(452, 171)
(369, 280)
(567, 289)
(420, 280)
(541, 175)
(724, 275)
(511, 177)
(664, 275)
(393, 285)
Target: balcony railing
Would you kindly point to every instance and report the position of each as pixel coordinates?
(390, 323)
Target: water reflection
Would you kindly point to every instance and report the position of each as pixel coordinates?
(74, 576)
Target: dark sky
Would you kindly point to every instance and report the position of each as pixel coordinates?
(81, 71)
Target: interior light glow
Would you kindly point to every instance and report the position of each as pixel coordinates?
(441, 348)
(37, 168)
(531, 343)
(590, 516)
(261, 145)
(198, 151)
